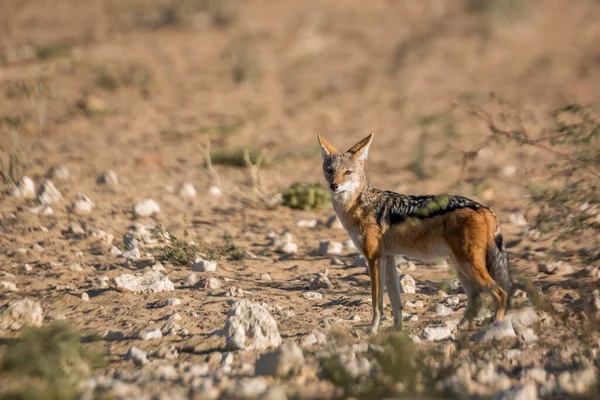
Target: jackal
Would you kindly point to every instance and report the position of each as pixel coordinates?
(383, 224)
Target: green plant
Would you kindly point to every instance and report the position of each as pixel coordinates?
(231, 250)
(47, 363)
(307, 196)
(235, 157)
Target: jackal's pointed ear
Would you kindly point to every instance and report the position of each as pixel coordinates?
(327, 148)
(360, 150)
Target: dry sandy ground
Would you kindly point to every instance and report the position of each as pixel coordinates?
(130, 87)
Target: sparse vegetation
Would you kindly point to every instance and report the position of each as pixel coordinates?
(220, 13)
(182, 251)
(236, 157)
(11, 157)
(47, 363)
(307, 196)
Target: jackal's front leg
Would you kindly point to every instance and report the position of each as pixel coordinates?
(377, 277)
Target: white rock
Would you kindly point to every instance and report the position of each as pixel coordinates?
(407, 284)
(249, 388)
(321, 281)
(334, 223)
(149, 282)
(250, 326)
(524, 317)
(42, 209)
(404, 264)
(265, 277)
(518, 219)
(354, 318)
(274, 392)
(288, 248)
(187, 191)
(148, 334)
(60, 172)
(496, 331)
(202, 265)
(509, 170)
(190, 280)
(349, 244)
(115, 251)
(312, 295)
(359, 261)
(436, 333)
(577, 382)
(331, 247)
(8, 286)
(215, 191)
(85, 296)
(452, 301)
(108, 178)
(552, 267)
(442, 310)
(414, 338)
(287, 360)
(146, 208)
(83, 205)
(48, 193)
(139, 357)
(211, 283)
(314, 337)
(25, 188)
(528, 391)
(133, 254)
(307, 223)
(18, 313)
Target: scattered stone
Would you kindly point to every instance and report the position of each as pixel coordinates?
(411, 318)
(315, 337)
(552, 267)
(25, 188)
(407, 284)
(312, 295)
(336, 261)
(59, 172)
(436, 333)
(146, 208)
(8, 286)
(42, 209)
(414, 338)
(577, 382)
(102, 282)
(265, 277)
(285, 361)
(149, 282)
(452, 301)
(288, 248)
(528, 391)
(235, 292)
(92, 104)
(83, 205)
(113, 336)
(55, 316)
(331, 247)
(307, 223)
(108, 178)
(518, 219)
(248, 388)
(190, 280)
(491, 378)
(403, 264)
(139, 357)
(187, 191)
(18, 313)
(509, 170)
(442, 310)
(210, 283)
(215, 191)
(133, 254)
(115, 251)
(349, 244)
(48, 193)
(202, 265)
(26, 268)
(274, 393)
(524, 317)
(321, 281)
(354, 318)
(148, 334)
(496, 331)
(85, 296)
(334, 223)
(250, 326)
(359, 261)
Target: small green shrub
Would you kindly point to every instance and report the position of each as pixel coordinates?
(307, 196)
(47, 363)
(181, 252)
(235, 157)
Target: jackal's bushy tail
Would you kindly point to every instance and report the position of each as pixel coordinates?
(496, 263)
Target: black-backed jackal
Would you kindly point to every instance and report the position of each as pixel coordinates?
(383, 224)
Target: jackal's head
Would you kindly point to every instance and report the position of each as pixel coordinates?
(345, 172)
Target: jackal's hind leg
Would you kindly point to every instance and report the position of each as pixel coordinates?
(393, 288)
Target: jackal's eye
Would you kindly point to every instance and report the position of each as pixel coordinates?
(348, 171)
(329, 170)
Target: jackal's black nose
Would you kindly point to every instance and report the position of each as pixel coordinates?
(334, 186)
